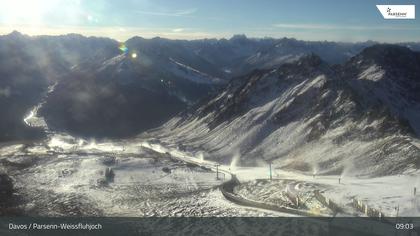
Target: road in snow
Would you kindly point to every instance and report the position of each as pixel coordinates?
(383, 193)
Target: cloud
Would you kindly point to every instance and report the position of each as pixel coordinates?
(177, 30)
(304, 26)
(178, 13)
(339, 27)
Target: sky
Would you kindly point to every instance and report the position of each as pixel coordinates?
(331, 20)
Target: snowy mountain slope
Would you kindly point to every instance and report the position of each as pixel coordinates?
(29, 65)
(240, 55)
(278, 51)
(93, 106)
(97, 85)
(160, 50)
(303, 115)
(125, 95)
(389, 75)
(179, 70)
(192, 74)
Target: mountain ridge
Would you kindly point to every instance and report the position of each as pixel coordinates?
(305, 116)
(185, 70)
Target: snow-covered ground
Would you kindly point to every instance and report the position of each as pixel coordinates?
(386, 194)
(66, 176)
(32, 119)
(56, 176)
(391, 195)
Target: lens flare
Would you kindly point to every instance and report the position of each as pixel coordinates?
(123, 48)
(133, 55)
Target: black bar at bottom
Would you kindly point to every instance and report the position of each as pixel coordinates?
(210, 226)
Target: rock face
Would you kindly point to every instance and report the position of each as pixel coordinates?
(309, 116)
(388, 75)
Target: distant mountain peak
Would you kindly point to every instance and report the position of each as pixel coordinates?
(387, 53)
(381, 51)
(239, 37)
(310, 59)
(390, 57)
(307, 64)
(16, 35)
(15, 32)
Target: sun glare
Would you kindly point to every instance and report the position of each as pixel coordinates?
(22, 11)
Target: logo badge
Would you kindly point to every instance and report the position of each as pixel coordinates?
(399, 12)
